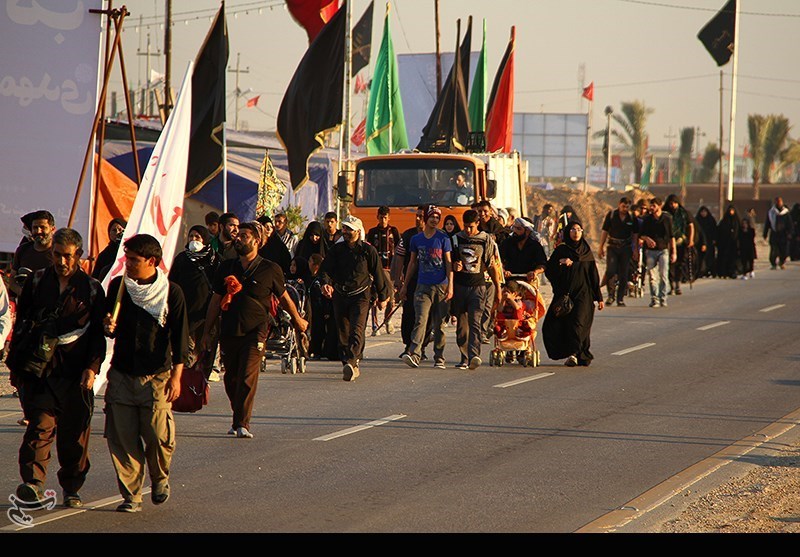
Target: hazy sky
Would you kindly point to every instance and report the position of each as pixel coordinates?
(631, 50)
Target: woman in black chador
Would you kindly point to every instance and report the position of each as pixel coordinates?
(571, 270)
(728, 243)
(707, 227)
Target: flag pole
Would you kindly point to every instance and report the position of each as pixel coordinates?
(732, 144)
(588, 147)
(224, 168)
(389, 93)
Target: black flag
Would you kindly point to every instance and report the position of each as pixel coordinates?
(448, 126)
(312, 104)
(718, 34)
(362, 41)
(208, 107)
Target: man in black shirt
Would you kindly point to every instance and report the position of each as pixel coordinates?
(330, 231)
(488, 223)
(151, 344)
(656, 236)
(59, 404)
(36, 254)
(243, 291)
(683, 232)
(228, 229)
(349, 270)
(384, 238)
(620, 231)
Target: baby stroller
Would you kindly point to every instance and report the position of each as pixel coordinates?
(283, 341)
(636, 280)
(515, 336)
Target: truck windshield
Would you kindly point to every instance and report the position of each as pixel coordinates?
(415, 182)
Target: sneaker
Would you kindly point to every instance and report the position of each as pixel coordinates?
(475, 362)
(350, 372)
(461, 365)
(160, 496)
(572, 361)
(72, 500)
(232, 431)
(620, 304)
(402, 354)
(241, 433)
(423, 357)
(678, 292)
(663, 303)
(653, 303)
(411, 360)
(744, 277)
(439, 364)
(213, 377)
(30, 493)
(610, 300)
(129, 507)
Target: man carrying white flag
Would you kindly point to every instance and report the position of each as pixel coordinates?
(146, 315)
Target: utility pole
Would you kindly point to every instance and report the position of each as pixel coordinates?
(168, 70)
(609, 112)
(438, 52)
(670, 136)
(721, 153)
(238, 92)
(146, 92)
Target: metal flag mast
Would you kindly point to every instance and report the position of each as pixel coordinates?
(732, 144)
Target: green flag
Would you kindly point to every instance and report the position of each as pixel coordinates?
(386, 124)
(647, 175)
(477, 97)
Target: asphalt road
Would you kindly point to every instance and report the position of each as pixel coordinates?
(511, 449)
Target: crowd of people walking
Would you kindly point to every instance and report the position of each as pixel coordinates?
(217, 304)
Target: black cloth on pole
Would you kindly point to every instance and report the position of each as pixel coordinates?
(448, 125)
(718, 34)
(362, 41)
(312, 104)
(208, 107)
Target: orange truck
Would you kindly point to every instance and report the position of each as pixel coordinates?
(402, 181)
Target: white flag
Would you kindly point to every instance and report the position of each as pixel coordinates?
(158, 208)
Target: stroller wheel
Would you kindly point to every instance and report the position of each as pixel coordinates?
(284, 365)
(292, 364)
(301, 365)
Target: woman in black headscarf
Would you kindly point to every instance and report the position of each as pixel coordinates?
(728, 243)
(572, 270)
(451, 227)
(707, 228)
(193, 270)
(311, 242)
(794, 243)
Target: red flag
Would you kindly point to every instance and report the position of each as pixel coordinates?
(360, 133)
(253, 102)
(500, 114)
(312, 15)
(588, 91)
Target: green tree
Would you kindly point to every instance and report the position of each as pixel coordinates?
(633, 135)
(711, 157)
(685, 159)
(295, 220)
(790, 155)
(768, 135)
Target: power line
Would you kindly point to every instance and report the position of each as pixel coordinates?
(697, 9)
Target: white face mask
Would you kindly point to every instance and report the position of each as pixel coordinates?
(195, 246)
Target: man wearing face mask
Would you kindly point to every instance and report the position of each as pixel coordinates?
(193, 270)
(59, 403)
(243, 290)
(34, 255)
(102, 265)
(350, 268)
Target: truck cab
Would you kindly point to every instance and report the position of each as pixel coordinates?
(403, 181)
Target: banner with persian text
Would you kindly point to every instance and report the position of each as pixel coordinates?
(48, 99)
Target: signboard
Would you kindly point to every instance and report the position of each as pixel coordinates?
(48, 99)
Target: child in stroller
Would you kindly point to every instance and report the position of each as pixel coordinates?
(283, 341)
(515, 323)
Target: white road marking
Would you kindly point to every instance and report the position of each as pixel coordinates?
(633, 349)
(770, 308)
(11, 414)
(356, 429)
(524, 380)
(712, 325)
(66, 513)
(380, 344)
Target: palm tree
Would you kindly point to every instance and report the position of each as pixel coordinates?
(632, 121)
(685, 159)
(711, 157)
(768, 134)
(790, 155)
(777, 133)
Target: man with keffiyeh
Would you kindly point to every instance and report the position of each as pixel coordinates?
(151, 344)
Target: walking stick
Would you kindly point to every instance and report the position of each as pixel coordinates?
(396, 307)
(690, 258)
